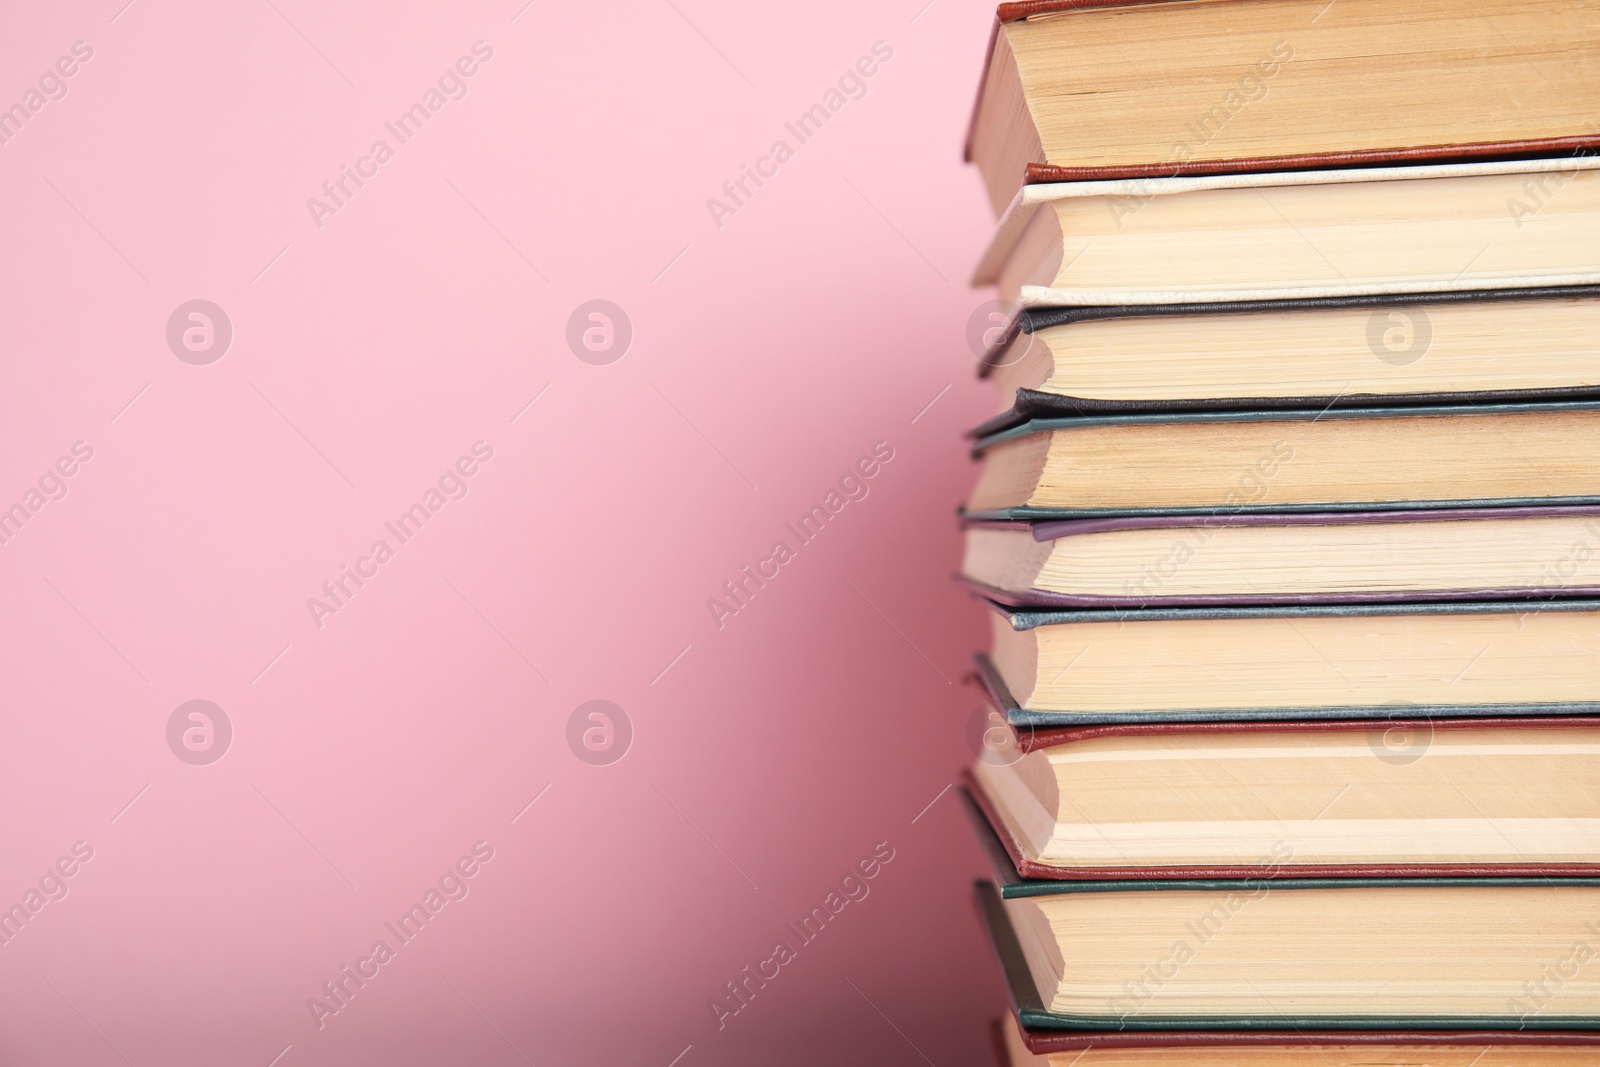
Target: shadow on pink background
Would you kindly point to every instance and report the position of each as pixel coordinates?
(376, 343)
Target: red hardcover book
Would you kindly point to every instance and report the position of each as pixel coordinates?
(1077, 90)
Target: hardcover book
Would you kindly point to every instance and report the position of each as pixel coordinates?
(1489, 346)
(1305, 235)
(1289, 558)
(1299, 956)
(1336, 459)
(1450, 659)
(1333, 799)
(1096, 89)
(1144, 1042)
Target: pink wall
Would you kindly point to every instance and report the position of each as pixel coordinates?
(373, 745)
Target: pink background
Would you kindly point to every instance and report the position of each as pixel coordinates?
(768, 355)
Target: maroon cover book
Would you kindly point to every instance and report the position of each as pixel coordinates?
(1393, 155)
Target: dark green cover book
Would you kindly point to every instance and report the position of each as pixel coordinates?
(1033, 1014)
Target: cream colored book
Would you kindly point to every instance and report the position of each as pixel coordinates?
(1326, 661)
(1359, 459)
(1409, 795)
(1398, 955)
(1357, 557)
(1483, 347)
(1301, 235)
(1118, 89)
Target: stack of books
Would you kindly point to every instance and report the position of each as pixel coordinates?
(1289, 525)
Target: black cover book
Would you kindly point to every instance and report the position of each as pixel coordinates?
(1035, 404)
